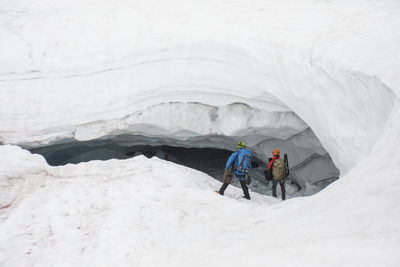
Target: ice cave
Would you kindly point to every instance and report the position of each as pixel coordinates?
(310, 165)
(117, 118)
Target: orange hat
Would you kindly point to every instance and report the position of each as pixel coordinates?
(275, 152)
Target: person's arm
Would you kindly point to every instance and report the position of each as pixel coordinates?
(231, 160)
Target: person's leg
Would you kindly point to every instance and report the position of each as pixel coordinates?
(245, 189)
(283, 190)
(222, 189)
(274, 183)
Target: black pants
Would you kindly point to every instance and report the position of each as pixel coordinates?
(244, 188)
(282, 185)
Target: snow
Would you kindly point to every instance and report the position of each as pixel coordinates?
(125, 211)
(198, 72)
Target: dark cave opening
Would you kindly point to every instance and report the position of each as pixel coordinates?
(208, 160)
(202, 155)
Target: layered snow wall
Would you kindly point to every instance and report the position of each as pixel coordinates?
(209, 98)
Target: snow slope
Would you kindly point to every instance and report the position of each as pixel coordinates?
(87, 69)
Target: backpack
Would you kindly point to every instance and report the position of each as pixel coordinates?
(244, 160)
(279, 170)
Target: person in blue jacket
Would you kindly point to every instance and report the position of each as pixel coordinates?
(240, 163)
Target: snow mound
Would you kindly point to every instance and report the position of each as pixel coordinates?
(19, 172)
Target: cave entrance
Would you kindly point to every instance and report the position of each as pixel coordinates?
(208, 160)
(310, 172)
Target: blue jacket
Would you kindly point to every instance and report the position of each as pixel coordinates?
(237, 158)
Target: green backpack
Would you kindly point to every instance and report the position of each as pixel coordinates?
(279, 170)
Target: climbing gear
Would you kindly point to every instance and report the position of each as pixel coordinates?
(241, 145)
(228, 175)
(245, 163)
(275, 152)
(240, 160)
(285, 158)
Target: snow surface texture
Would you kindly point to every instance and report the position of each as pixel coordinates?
(84, 69)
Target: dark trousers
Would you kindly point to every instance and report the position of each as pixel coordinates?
(244, 188)
(282, 185)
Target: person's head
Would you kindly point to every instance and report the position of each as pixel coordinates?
(241, 145)
(276, 152)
